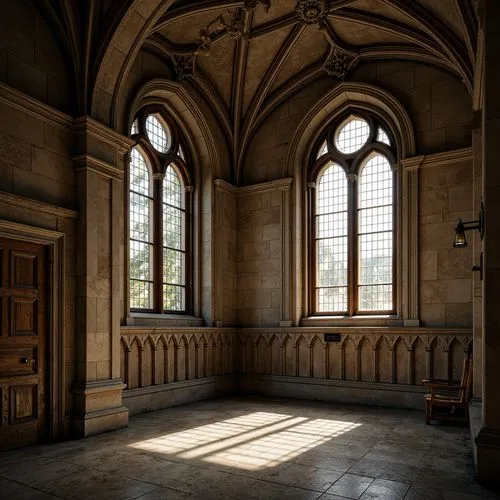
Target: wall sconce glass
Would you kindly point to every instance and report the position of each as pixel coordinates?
(460, 240)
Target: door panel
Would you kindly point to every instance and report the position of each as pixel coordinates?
(22, 343)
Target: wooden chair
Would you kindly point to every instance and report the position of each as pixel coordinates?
(452, 401)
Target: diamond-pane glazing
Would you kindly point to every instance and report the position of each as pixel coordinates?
(352, 135)
(158, 134)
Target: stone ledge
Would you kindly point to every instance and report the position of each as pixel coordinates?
(163, 320)
(158, 397)
(367, 321)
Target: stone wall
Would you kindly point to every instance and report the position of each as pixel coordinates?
(30, 58)
(446, 194)
(439, 106)
(368, 365)
(163, 367)
(37, 186)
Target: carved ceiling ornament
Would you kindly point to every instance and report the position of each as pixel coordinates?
(311, 11)
(184, 66)
(339, 63)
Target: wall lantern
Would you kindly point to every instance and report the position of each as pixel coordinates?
(460, 239)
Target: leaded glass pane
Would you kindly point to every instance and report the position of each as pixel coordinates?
(140, 180)
(322, 150)
(331, 240)
(383, 137)
(140, 233)
(172, 188)
(332, 299)
(141, 294)
(174, 264)
(352, 135)
(375, 298)
(332, 191)
(135, 128)
(332, 262)
(158, 134)
(140, 260)
(375, 235)
(174, 298)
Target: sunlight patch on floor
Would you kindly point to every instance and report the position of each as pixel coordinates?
(255, 441)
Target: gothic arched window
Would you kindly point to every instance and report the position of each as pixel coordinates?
(352, 219)
(159, 217)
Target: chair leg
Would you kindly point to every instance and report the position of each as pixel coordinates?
(427, 412)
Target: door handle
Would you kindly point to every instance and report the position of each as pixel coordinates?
(26, 361)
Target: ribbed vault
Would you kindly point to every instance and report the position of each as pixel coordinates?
(244, 57)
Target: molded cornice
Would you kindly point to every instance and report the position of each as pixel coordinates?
(33, 107)
(437, 159)
(37, 206)
(87, 125)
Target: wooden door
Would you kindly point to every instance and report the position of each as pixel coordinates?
(22, 343)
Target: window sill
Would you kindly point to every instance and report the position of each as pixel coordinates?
(384, 320)
(150, 319)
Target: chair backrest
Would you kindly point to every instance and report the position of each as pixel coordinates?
(466, 382)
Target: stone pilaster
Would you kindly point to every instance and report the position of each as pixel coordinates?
(488, 440)
(409, 233)
(99, 164)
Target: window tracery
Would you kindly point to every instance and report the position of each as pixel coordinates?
(159, 217)
(352, 220)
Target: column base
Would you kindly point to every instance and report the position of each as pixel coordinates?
(488, 457)
(98, 408)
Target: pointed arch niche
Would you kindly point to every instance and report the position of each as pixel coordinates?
(348, 98)
(191, 152)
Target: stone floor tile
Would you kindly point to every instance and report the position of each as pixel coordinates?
(96, 485)
(325, 461)
(351, 486)
(386, 470)
(408, 457)
(301, 476)
(160, 493)
(13, 490)
(389, 444)
(37, 471)
(383, 489)
(447, 480)
(417, 492)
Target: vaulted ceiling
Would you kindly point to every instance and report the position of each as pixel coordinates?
(246, 56)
